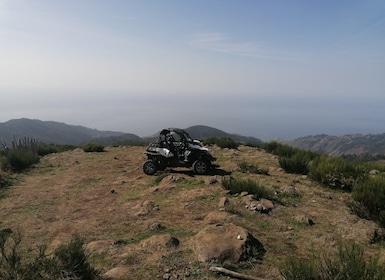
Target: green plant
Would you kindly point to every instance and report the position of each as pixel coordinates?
(371, 194)
(348, 263)
(21, 155)
(253, 168)
(22, 159)
(69, 261)
(336, 173)
(223, 142)
(45, 149)
(237, 186)
(92, 147)
(73, 260)
(298, 163)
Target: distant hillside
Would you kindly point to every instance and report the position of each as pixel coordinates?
(50, 132)
(202, 132)
(355, 144)
(61, 133)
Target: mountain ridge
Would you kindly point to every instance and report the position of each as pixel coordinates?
(61, 133)
(350, 144)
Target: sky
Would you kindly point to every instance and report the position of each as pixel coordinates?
(264, 68)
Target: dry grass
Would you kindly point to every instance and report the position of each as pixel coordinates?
(106, 197)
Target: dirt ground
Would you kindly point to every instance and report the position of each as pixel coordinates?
(107, 199)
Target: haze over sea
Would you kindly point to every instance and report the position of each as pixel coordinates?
(268, 69)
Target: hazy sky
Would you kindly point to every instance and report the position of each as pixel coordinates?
(263, 68)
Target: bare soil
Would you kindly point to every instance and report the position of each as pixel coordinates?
(107, 199)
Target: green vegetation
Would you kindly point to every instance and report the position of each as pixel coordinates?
(92, 147)
(25, 152)
(292, 160)
(68, 261)
(348, 263)
(370, 193)
(336, 173)
(223, 142)
(252, 168)
(45, 149)
(237, 186)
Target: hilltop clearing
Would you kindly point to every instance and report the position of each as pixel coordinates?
(139, 226)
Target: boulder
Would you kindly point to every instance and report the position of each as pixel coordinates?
(227, 242)
(263, 205)
(116, 273)
(160, 242)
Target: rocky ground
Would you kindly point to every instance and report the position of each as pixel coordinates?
(178, 225)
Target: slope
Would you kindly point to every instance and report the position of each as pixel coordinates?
(106, 198)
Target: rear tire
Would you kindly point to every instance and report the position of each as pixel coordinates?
(150, 167)
(201, 167)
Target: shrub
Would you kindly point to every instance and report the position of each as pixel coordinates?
(278, 149)
(251, 168)
(348, 263)
(92, 147)
(21, 159)
(45, 149)
(298, 162)
(223, 142)
(336, 172)
(72, 259)
(21, 155)
(237, 186)
(292, 160)
(371, 194)
(69, 261)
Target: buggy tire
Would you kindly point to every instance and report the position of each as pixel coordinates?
(150, 167)
(201, 167)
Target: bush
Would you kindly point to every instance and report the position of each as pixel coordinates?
(251, 168)
(279, 149)
(298, 162)
(224, 142)
(45, 149)
(69, 261)
(348, 263)
(237, 186)
(371, 194)
(336, 172)
(72, 259)
(292, 160)
(92, 147)
(21, 159)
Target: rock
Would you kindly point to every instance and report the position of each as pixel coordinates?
(116, 273)
(159, 242)
(223, 202)
(155, 226)
(374, 172)
(267, 205)
(263, 205)
(304, 219)
(211, 180)
(146, 208)
(228, 242)
(99, 246)
(290, 190)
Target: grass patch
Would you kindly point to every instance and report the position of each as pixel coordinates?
(253, 168)
(348, 263)
(236, 186)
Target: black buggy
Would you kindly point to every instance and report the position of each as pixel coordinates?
(175, 148)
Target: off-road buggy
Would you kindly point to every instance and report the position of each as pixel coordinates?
(175, 148)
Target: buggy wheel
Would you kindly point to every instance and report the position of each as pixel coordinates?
(150, 167)
(200, 166)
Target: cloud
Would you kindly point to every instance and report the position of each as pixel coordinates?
(219, 42)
